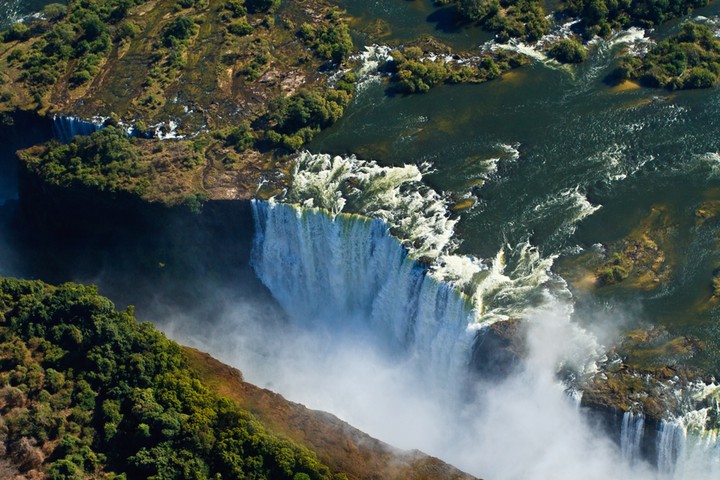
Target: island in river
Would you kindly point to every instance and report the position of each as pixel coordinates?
(206, 100)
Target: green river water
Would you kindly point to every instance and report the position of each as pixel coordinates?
(581, 144)
(551, 156)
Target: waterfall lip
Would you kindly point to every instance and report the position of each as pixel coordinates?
(419, 219)
(67, 126)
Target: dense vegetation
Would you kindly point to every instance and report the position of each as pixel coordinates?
(231, 56)
(294, 120)
(568, 50)
(415, 72)
(330, 41)
(523, 19)
(689, 59)
(600, 17)
(86, 392)
(242, 76)
(77, 38)
(106, 160)
(110, 161)
(526, 19)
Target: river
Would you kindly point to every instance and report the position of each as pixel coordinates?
(558, 163)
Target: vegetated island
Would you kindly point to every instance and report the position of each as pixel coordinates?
(528, 20)
(688, 59)
(87, 392)
(240, 80)
(243, 82)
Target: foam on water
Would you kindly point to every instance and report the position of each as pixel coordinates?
(370, 60)
(420, 220)
(418, 216)
(349, 272)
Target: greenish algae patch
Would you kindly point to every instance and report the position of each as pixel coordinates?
(639, 261)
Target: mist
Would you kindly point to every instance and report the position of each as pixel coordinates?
(194, 281)
(526, 426)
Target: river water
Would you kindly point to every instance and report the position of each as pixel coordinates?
(14, 10)
(558, 157)
(557, 162)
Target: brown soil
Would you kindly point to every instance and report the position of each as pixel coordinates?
(338, 445)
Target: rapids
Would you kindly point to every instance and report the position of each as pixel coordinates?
(382, 286)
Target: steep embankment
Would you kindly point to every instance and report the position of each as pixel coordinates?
(86, 391)
(338, 444)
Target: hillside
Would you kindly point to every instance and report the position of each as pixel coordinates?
(87, 392)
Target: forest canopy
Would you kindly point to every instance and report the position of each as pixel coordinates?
(87, 392)
(688, 59)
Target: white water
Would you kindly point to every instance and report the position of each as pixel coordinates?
(370, 61)
(419, 216)
(686, 450)
(348, 273)
(631, 435)
(389, 345)
(359, 294)
(507, 286)
(67, 127)
(11, 10)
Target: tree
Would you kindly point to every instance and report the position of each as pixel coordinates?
(262, 6)
(568, 51)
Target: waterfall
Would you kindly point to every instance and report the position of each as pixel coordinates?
(66, 127)
(688, 446)
(631, 434)
(356, 246)
(348, 273)
(670, 442)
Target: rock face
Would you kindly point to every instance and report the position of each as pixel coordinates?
(498, 349)
(339, 445)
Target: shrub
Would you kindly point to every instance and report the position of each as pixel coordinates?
(568, 51)
(700, 78)
(18, 31)
(179, 29)
(54, 11)
(332, 42)
(236, 7)
(240, 137)
(127, 30)
(240, 27)
(262, 6)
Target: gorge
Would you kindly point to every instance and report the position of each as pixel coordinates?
(517, 276)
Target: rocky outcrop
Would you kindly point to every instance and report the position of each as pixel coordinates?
(498, 349)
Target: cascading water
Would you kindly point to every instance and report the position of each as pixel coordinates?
(395, 278)
(688, 446)
(66, 127)
(670, 442)
(327, 262)
(631, 435)
(349, 273)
